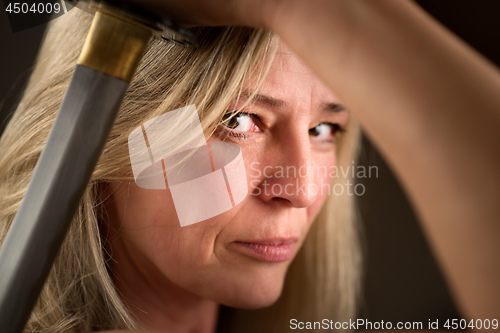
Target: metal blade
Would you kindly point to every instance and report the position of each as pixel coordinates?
(61, 175)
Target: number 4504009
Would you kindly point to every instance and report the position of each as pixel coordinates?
(24, 8)
(453, 324)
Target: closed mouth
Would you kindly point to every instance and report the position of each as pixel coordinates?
(272, 250)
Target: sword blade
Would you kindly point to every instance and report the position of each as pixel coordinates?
(60, 178)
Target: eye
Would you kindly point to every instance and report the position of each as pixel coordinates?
(240, 122)
(325, 131)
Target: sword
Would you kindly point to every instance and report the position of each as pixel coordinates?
(111, 53)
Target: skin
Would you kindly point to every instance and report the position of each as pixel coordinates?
(173, 278)
(428, 101)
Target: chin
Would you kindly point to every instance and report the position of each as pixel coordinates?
(259, 294)
(252, 303)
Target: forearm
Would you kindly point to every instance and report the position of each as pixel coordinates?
(432, 106)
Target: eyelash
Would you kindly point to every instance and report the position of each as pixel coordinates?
(237, 135)
(232, 115)
(338, 129)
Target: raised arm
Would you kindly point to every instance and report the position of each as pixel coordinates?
(432, 106)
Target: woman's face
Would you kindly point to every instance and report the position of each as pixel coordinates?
(239, 258)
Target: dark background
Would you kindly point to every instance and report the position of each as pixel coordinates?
(403, 282)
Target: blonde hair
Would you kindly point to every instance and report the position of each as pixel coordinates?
(79, 294)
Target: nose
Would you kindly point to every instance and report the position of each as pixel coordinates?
(287, 175)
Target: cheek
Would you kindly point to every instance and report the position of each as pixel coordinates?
(137, 208)
(144, 225)
(146, 222)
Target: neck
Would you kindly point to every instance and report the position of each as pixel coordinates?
(160, 305)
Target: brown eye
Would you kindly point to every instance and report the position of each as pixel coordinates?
(240, 122)
(229, 120)
(325, 131)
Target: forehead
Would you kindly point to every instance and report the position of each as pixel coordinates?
(289, 79)
(285, 60)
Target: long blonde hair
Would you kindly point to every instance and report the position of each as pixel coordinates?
(79, 295)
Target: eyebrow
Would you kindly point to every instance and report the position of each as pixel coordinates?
(334, 107)
(264, 100)
(268, 101)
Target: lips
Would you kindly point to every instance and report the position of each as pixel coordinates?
(271, 250)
